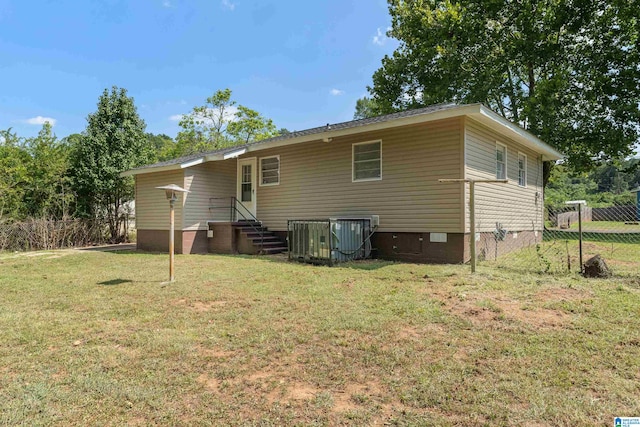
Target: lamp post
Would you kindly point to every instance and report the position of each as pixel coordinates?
(172, 192)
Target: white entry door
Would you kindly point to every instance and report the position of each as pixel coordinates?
(247, 180)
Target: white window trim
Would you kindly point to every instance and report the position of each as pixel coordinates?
(260, 164)
(526, 169)
(353, 169)
(506, 160)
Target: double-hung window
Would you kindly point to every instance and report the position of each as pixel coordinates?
(367, 161)
(501, 161)
(270, 170)
(522, 170)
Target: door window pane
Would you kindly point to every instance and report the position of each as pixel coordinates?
(246, 183)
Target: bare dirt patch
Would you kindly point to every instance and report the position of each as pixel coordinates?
(301, 391)
(209, 382)
(215, 353)
(561, 294)
(348, 399)
(491, 307)
(199, 306)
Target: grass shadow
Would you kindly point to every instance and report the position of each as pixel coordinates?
(115, 248)
(114, 282)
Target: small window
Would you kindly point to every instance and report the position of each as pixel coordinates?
(270, 170)
(522, 170)
(501, 161)
(367, 161)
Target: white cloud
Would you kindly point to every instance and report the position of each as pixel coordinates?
(226, 4)
(380, 38)
(166, 3)
(39, 120)
(336, 92)
(176, 117)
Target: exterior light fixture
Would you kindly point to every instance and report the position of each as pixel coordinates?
(173, 193)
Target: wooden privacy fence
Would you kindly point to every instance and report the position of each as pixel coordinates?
(615, 213)
(566, 219)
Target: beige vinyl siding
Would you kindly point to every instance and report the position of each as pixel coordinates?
(515, 207)
(316, 180)
(204, 181)
(152, 206)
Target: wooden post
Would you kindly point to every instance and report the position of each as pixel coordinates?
(472, 210)
(472, 224)
(580, 235)
(171, 240)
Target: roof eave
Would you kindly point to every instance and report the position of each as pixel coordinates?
(371, 127)
(175, 166)
(477, 111)
(515, 132)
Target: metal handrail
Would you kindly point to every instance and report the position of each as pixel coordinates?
(234, 211)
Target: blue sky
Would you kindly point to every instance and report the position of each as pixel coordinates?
(301, 63)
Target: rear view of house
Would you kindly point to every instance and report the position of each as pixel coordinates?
(385, 169)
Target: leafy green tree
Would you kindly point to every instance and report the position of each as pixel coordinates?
(606, 185)
(568, 71)
(249, 126)
(219, 124)
(47, 193)
(163, 146)
(205, 127)
(114, 141)
(366, 107)
(14, 168)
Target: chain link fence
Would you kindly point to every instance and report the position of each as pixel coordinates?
(532, 238)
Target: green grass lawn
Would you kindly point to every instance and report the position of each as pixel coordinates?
(607, 226)
(90, 338)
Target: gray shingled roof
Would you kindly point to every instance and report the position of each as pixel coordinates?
(307, 132)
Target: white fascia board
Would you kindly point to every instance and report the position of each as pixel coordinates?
(150, 170)
(234, 154)
(191, 163)
(515, 132)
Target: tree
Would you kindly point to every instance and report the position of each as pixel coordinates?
(568, 71)
(47, 192)
(249, 125)
(163, 146)
(114, 141)
(205, 127)
(219, 124)
(365, 107)
(14, 167)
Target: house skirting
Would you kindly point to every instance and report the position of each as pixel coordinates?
(407, 247)
(419, 247)
(186, 241)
